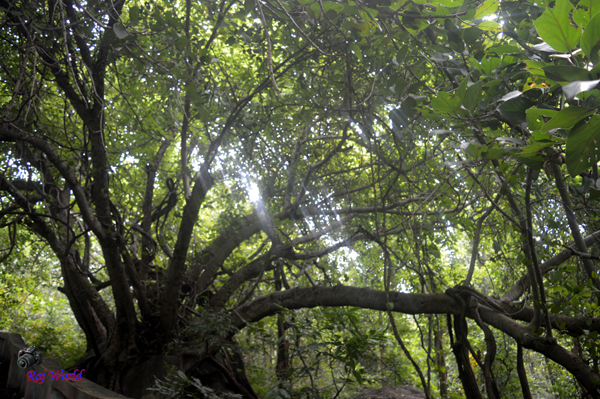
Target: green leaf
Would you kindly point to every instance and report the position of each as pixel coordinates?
(181, 43)
(494, 153)
(574, 88)
(582, 146)
(462, 88)
(397, 4)
(389, 306)
(330, 5)
(534, 149)
(454, 37)
(327, 5)
(371, 11)
(534, 161)
(535, 67)
(120, 31)
(514, 109)
(470, 35)
(504, 49)
(466, 223)
(591, 98)
(445, 103)
(595, 72)
(473, 95)
(249, 5)
(590, 39)
(445, 3)
(357, 376)
(566, 73)
(470, 149)
(408, 107)
(356, 50)
(134, 15)
(490, 26)
(534, 117)
(586, 9)
(554, 27)
(486, 9)
(539, 136)
(567, 118)
(399, 58)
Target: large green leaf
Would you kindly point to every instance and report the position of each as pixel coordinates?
(454, 37)
(554, 27)
(449, 3)
(473, 95)
(534, 161)
(590, 39)
(490, 26)
(445, 3)
(586, 9)
(120, 31)
(514, 110)
(399, 58)
(486, 65)
(503, 49)
(134, 15)
(327, 5)
(535, 119)
(566, 73)
(445, 103)
(567, 118)
(486, 9)
(583, 146)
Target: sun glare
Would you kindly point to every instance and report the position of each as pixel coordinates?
(253, 191)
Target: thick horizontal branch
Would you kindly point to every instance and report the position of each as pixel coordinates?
(340, 295)
(368, 298)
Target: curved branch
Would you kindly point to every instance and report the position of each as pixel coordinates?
(575, 232)
(536, 266)
(477, 239)
(367, 298)
(11, 133)
(147, 241)
(521, 285)
(176, 269)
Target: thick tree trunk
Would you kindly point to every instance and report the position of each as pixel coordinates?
(461, 354)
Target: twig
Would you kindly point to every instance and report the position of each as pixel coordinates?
(299, 29)
(269, 48)
(582, 255)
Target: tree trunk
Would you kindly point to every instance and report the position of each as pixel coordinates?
(441, 360)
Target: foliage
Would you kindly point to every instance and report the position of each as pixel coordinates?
(37, 312)
(175, 387)
(396, 183)
(203, 327)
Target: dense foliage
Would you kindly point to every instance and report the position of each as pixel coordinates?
(410, 188)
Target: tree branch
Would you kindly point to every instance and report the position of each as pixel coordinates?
(11, 133)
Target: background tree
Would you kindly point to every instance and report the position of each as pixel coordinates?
(211, 164)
